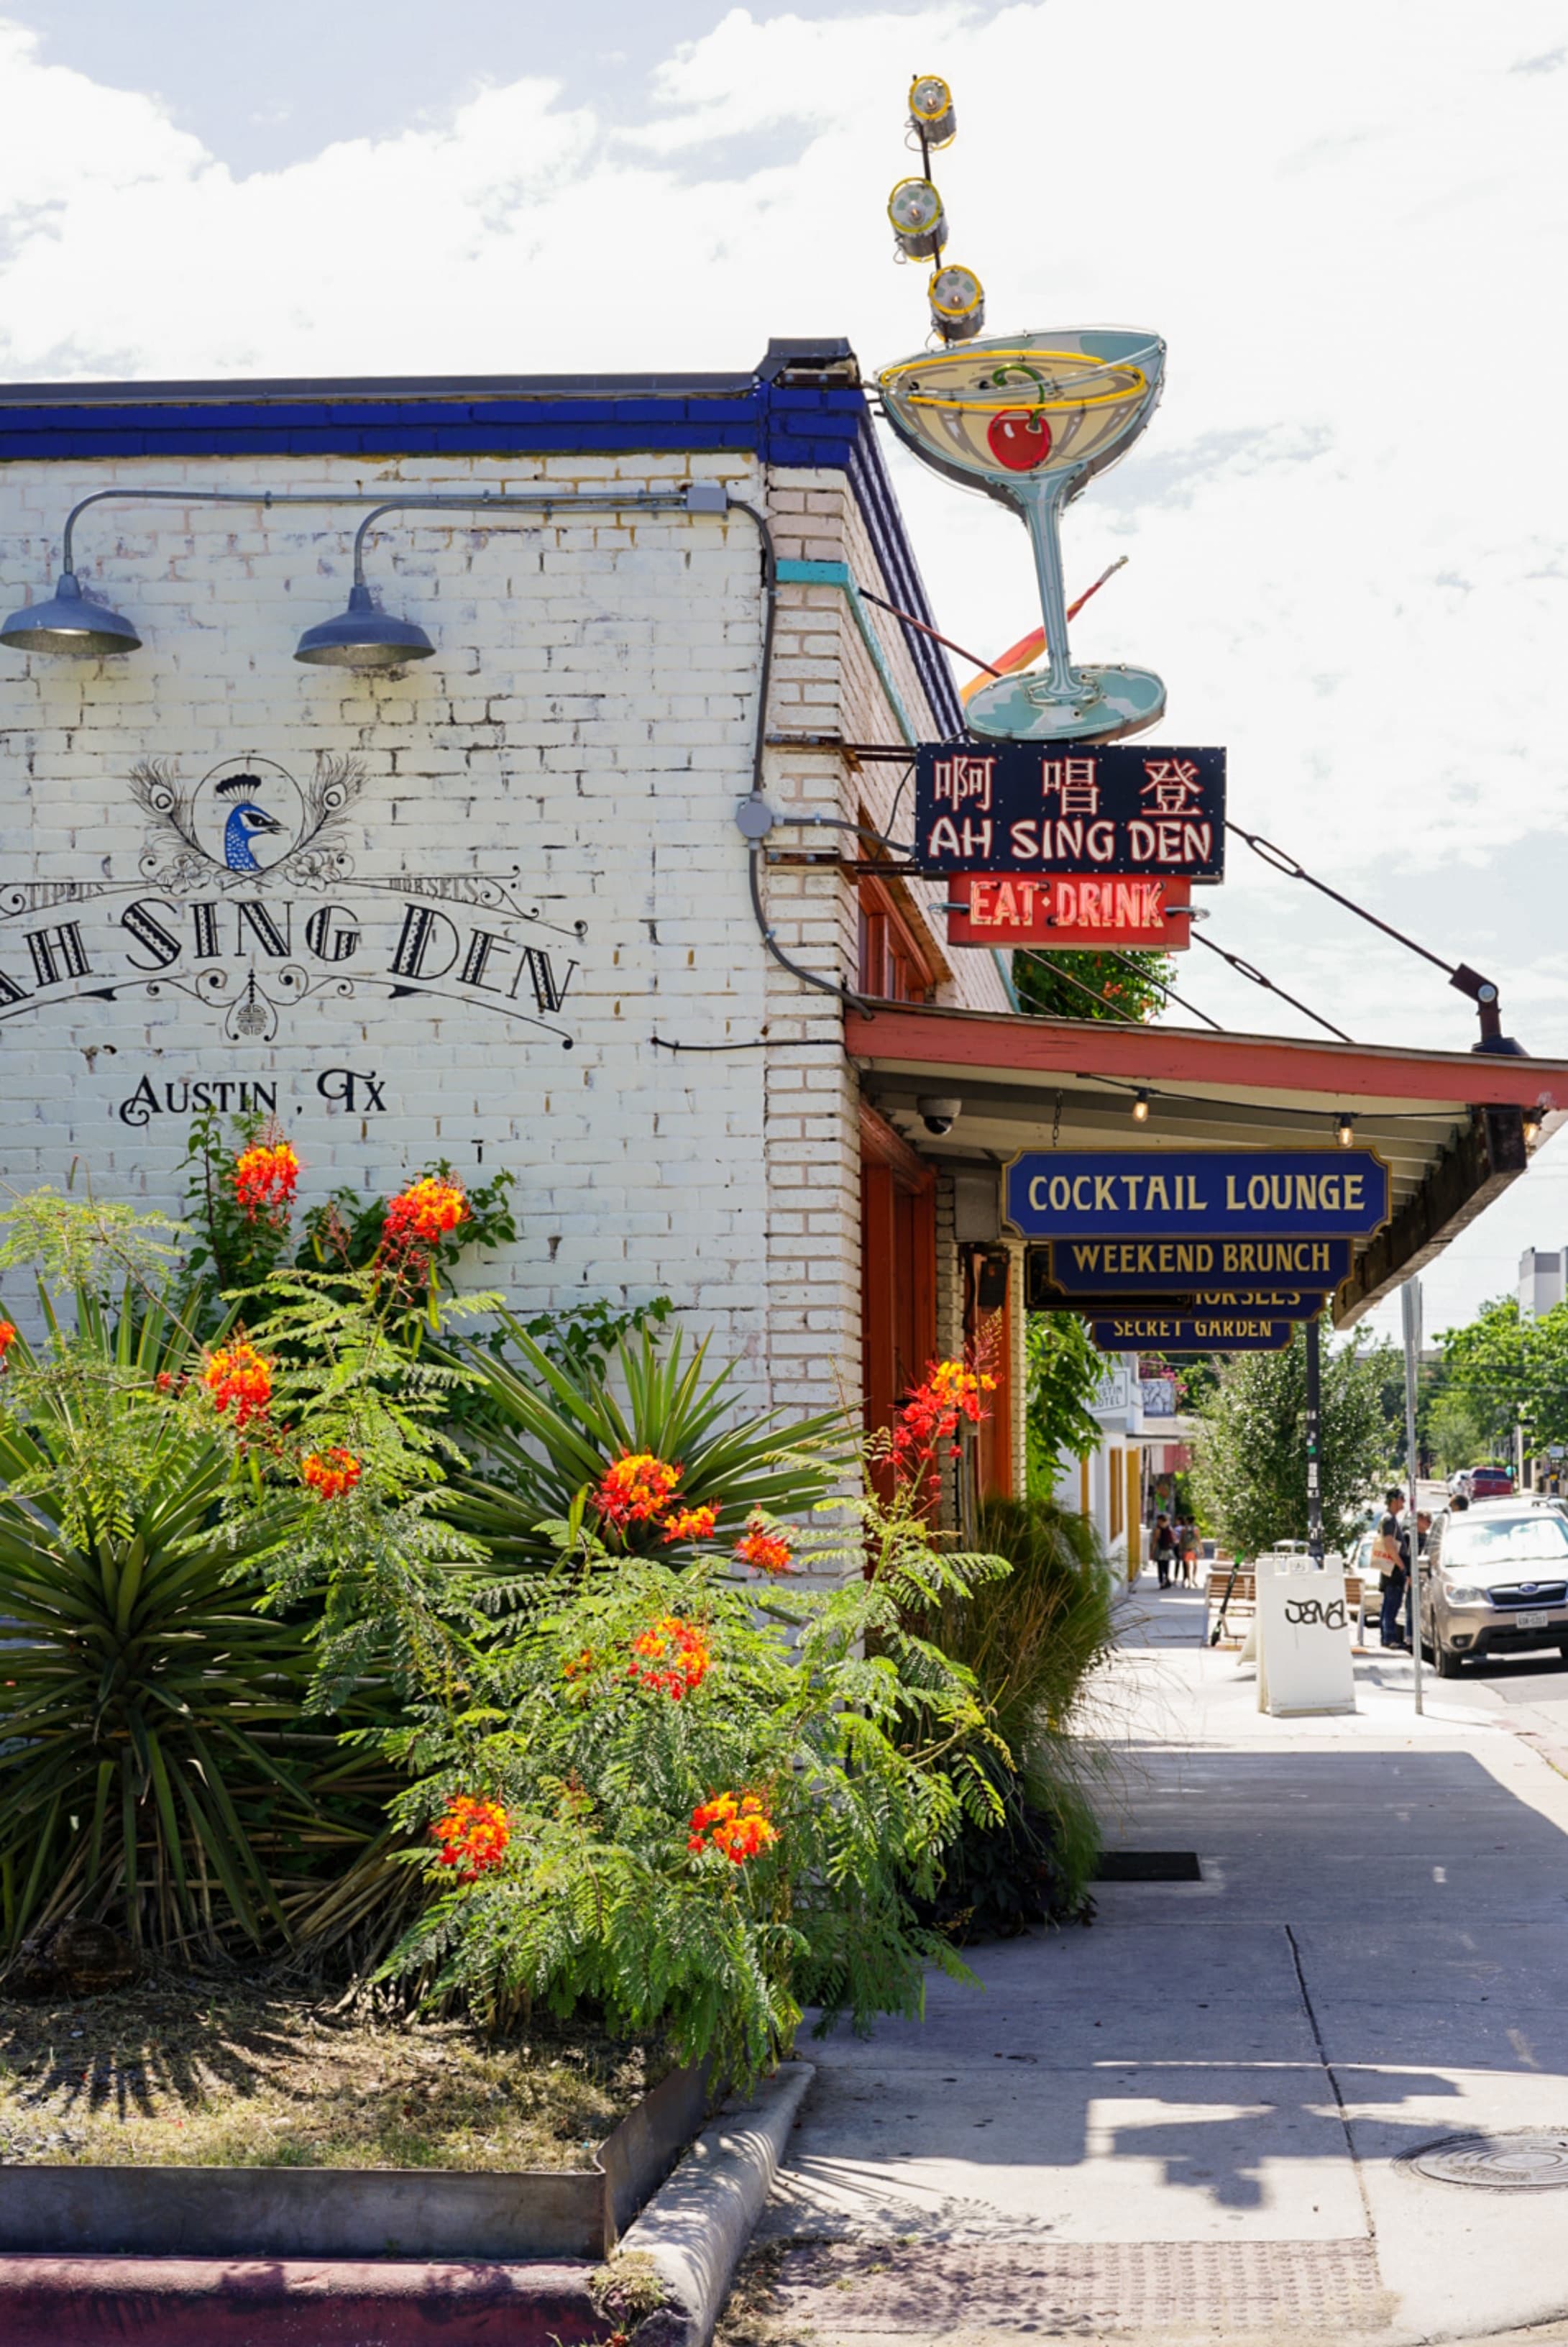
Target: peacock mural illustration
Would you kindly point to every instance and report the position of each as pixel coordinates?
(245, 821)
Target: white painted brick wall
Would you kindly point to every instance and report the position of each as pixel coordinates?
(582, 734)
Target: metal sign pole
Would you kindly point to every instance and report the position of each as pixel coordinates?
(1314, 1434)
(1410, 1304)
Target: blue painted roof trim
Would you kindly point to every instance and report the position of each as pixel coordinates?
(784, 424)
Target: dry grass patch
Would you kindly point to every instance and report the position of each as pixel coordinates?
(207, 2074)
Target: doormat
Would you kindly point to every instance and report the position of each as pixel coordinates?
(1148, 1866)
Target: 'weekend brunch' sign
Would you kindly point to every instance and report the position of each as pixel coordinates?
(1215, 1195)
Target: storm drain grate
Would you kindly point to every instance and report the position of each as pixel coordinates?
(1525, 2159)
(1148, 1866)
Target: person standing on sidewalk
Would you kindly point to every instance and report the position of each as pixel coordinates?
(1164, 1549)
(1391, 1554)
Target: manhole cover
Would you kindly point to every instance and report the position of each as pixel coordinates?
(1527, 2159)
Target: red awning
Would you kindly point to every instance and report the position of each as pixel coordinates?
(1450, 1125)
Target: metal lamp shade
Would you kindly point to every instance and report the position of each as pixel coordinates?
(364, 637)
(69, 622)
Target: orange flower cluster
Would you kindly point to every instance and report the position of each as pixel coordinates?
(473, 1836)
(672, 1658)
(736, 1824)
(638, 1489)
(641, 1489)
(7, 1336)
(767, 1552)
(951, 1391)
(237, 1375)
(690, 1523)
(265, 1178)
(424, 1214)
(331, 1473)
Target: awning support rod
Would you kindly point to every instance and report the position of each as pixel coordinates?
(1481, 991)
(1257, 978)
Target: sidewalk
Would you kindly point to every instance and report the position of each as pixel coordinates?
(1184, 2122)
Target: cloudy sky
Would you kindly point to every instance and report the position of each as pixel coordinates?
(1347, 526)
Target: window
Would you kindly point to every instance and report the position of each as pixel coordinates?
(895, 964)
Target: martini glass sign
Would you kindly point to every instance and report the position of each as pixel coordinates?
(1029, 419)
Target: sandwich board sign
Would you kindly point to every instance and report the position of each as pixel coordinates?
(1301, 1639)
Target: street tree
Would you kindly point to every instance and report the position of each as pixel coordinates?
(1250, 1469)
(1507, 1369)
(1110, 986)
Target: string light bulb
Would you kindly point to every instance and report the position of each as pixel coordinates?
(1344, 1131)
(931, 114)
(1140, 1108)
(1532, 1127)
(915, 209)
(957, 302)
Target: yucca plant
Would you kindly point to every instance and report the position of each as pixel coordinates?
(155, 1771)
(550, 1427)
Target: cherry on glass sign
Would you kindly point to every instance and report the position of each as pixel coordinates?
(1020, 439)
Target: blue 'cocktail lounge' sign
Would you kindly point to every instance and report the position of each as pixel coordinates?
(1228, 1196)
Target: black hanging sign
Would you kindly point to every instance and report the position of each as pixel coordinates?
(1016, 807)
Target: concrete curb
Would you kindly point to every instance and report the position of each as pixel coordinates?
(92, 2301)
(696, 2226)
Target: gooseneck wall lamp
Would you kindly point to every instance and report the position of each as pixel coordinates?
(363, 637)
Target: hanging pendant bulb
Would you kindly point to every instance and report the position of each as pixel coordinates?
(958, 303)
(931, 110)
(915, 209)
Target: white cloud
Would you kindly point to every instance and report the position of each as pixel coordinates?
(1347, 523)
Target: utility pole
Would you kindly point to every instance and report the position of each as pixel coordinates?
(1314, 1441)
(1410, 1304)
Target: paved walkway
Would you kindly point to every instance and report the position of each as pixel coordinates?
(1184, 2122)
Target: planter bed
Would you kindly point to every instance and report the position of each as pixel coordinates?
(200, 2120)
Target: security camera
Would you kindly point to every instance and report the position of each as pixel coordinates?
(939, 1115)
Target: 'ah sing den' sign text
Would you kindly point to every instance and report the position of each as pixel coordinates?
(1009, 807)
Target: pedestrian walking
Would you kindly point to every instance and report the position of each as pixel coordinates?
(1391, 1554)
(1164, 1549)
(1189, 1555)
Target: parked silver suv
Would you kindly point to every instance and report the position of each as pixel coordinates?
(1494, 1581)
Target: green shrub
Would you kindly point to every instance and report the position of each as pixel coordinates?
(1031, 1640)
(629, 1693)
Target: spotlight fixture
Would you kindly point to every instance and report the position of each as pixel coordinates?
(363, 637)
(69, 622)
(931, 110)
(1532, 1127)
(958, 303)
(915, 209)
(1344, 1131)
(1140, 1108)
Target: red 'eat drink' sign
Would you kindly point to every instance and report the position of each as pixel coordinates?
(1067, 911)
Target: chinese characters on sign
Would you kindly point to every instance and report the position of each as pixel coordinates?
(1011, 809)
